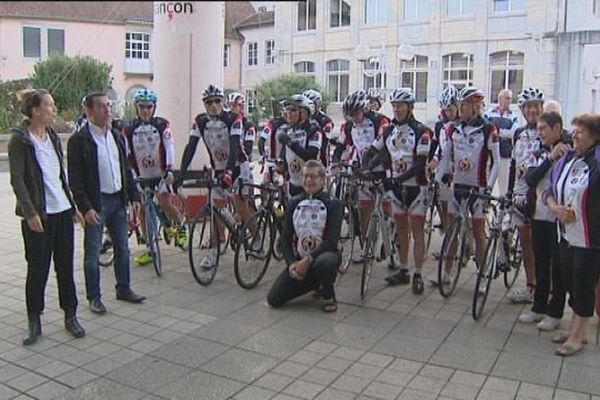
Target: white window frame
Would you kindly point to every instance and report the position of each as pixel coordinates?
(376, 5)
(340, 16)
(507, 68)
(307, 7)
(252, 54)
(305, 64)
(269, 51)
(339, 74)
(226, 54)
(44, 43)
(461, 12)
(130, 42)
(412, 67)
(458, 83)
(510, 7)
(251, 105)
(422, 9)
(376, 79)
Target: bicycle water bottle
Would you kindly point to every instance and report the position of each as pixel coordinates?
(229, 216)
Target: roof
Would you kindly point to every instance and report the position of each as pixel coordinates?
(261, 18)
(236, 12)
(109, 12)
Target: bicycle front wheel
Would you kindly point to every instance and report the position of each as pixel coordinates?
(514, 258)
(369, 256)
(430, 215)
(348, 238)
(277, 240)
(484, 279)
(449, 265)
(253, 250)
(153, 237)
(203, 249)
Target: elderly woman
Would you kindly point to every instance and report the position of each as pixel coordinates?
(573, 198)
(46, 207)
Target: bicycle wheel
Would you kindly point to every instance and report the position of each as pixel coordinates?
(107, 256)
(448, 254)
(152, 236)
(514, 258)
(253, 251)
(484, 279)
(203, 250)
(348, 237)
(369, 256)
(429, 228)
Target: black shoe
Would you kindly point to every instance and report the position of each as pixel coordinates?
(417, 285)
(129, 296)
(74, 327)
(97, 307)
(400, 277)
(34, 329)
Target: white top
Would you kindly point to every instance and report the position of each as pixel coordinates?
(108, 160)
(54, 193)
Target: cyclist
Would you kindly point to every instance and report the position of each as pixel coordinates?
(325, 123)
(471, 142)
(406, 143)
(526, 147)
(221, 132)
(301, 141)
(361, 129)
(375, 101)
(237, 103)
(268, 137)
(151, 156)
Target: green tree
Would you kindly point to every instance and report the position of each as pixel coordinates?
(10, 111)
(270, 92)
(70, 78)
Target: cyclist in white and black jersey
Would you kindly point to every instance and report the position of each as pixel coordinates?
(237, 103)
(472, 141)
(405, 143)
(526, 147)
(221, 132)
(325, 123)
(362, 128)
(375, 101)
(268, 145)
(301, 141)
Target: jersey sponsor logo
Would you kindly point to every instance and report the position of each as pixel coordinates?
(465, 164)
(400, 165)
(220, 155)
(309, 243)
(521, 170)
(167, 134)
(148, 162)
(295, 166)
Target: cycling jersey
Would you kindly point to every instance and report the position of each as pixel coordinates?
(80, 123)
(248, 136)
(272, 130)
(306, 142)
(506, 123)
(526, 149)
(326, 125)
(467, 153)
(359, 137)
(440, 137)
(151, 146)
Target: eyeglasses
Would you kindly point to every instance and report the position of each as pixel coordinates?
(146, 106)
(213, 101)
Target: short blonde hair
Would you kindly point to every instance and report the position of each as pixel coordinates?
(316, 164)
(505, 92)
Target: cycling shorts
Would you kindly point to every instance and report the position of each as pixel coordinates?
(410, 200)
(477, 207)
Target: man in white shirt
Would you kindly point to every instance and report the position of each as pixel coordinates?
(102, 184)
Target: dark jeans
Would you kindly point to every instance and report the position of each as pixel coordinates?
(114, 215)
(55, 242)
(322, 274)
(547, 270)
(580, 268)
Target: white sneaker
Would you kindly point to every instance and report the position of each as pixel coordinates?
(528, 317)
(358, 256)
(548, 324)
(522, 296)
(209, 260)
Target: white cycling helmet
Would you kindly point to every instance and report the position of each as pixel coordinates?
(301, 101)
(403, 95)
(233, 96)
(313, 95)
(354, 102)
(470, 94)
(530, 94)
(448, 97)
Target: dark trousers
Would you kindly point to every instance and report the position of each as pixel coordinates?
(581, 268)
(321, 274)
(55, 242)
(547, 270)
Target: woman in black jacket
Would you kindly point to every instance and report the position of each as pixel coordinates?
(47, 209)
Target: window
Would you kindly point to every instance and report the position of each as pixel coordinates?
(339, 13)
(457, 8)
(307, 15)
(373, 75)
(56, 41)
(252, 54)
(458, 70)
(509, 5)
(338, 79)
(506, 72)
(376, 11)
(416, 10)
(251, 101)
(269, 52)
(304, 67)
(32, 42)
(596, 7)
(137, 45)
(413, 74)
(226, 51)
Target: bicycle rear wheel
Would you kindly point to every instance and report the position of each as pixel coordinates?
(107, 256)
(348, 237)
(253, 251)
(277, 242)
(429, 228)
(152, 236)
(448, 254)
(514, 258)
(203, 250)
(369, 256)
(484, 279)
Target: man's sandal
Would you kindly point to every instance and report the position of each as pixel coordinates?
(329, 305)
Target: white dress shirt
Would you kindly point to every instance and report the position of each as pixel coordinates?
(109, 170)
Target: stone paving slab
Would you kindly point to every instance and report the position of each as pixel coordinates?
(223, 342)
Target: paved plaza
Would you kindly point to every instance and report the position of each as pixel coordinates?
(223, 342)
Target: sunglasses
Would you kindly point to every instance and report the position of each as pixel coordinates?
(213, 101)
(146, 106)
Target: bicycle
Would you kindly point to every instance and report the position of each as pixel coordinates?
(153, 218)
(433, 211)
(377, 226)
(204, 239)
(280, 206)
(503, 253)
(107, 254)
